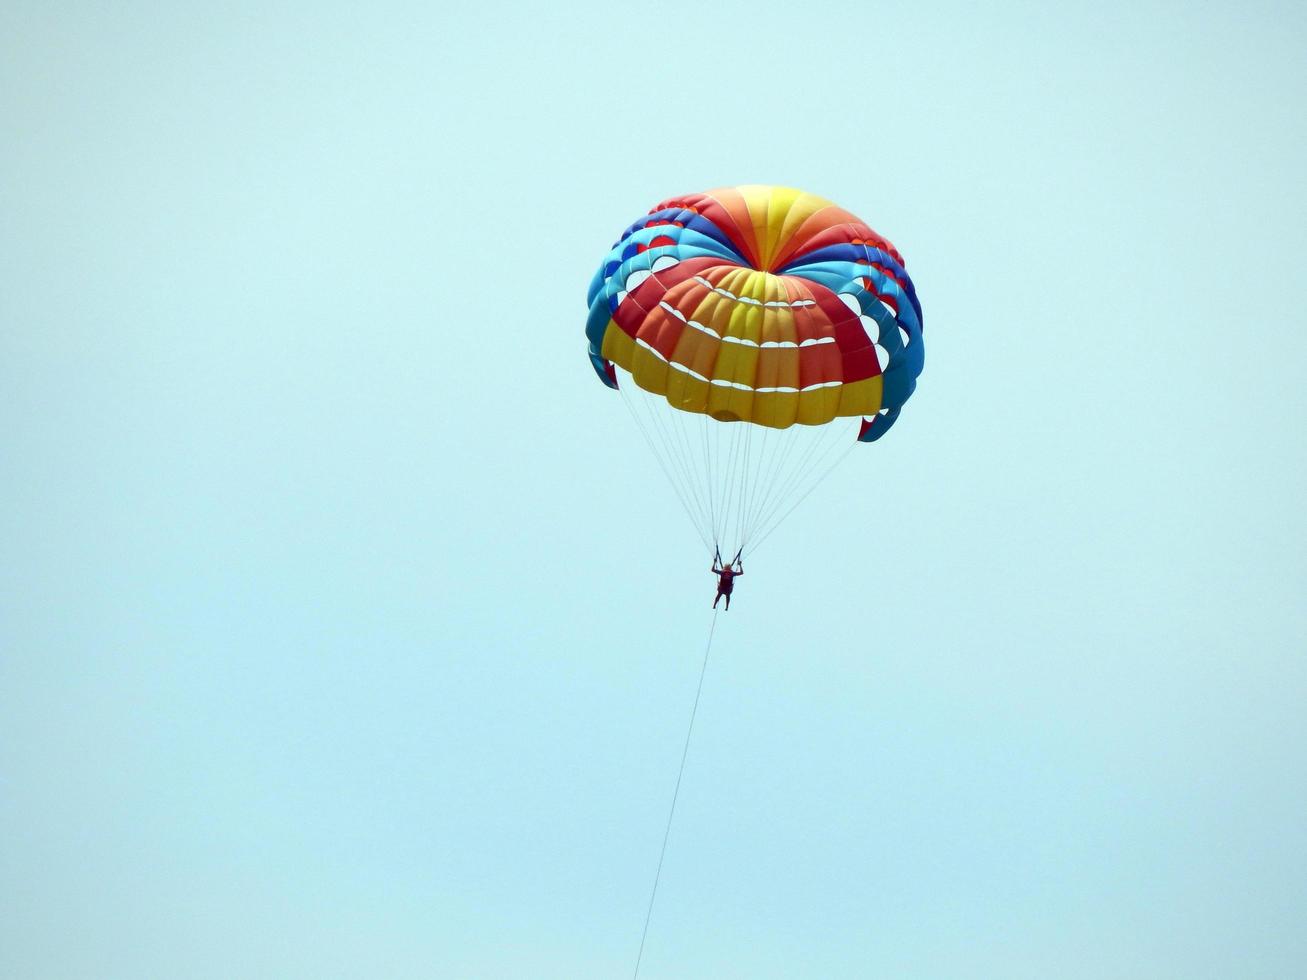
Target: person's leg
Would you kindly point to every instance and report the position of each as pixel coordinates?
(717, 599)
(728, 602)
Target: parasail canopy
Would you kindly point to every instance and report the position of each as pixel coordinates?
(754, 320)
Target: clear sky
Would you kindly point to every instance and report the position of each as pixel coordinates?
(348, 630)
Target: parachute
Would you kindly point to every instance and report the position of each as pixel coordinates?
(762, 330)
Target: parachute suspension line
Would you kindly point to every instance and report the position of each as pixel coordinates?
(783, 448)
(684, 473)
(781, 443)
(674, 448)
(793, 507)
(728, 476)
(822, 452)
(795, 472)
(795, 440)
(783, 480)
(721, 477)
(732, 474)
(747, 482)
(743, 482)
(734, 484)
(789, 474)
(754, 485)
(697, 437)
(676, 423)
(626, 400)
(725, 478)
(712, 457)
(691, 487)
(671, 812)
(813, 486)
(675, 429)
(664, 459)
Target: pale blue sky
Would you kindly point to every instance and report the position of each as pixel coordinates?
(348, 630)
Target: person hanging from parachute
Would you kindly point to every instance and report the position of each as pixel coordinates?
(726, 575)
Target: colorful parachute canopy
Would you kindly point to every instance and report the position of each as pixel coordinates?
(763, 306)
(759, 304)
